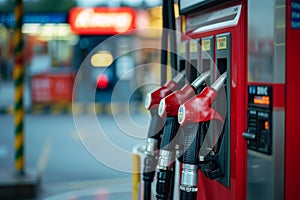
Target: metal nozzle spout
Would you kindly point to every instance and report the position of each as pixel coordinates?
(217, 85)
(200, 80)
(179, 77)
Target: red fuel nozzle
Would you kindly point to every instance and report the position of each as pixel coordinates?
(153, 98)
(169, 105)
(198, 109)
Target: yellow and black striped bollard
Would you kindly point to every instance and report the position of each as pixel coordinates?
(19, 85)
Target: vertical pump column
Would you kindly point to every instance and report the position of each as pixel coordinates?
(18, 75)
(215, 150)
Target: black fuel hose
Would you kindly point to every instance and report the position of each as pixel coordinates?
(188, 195)
(164, 185)
(164, 43)
(147, 192)
(173, 38)
(166, 168)
(150, 161)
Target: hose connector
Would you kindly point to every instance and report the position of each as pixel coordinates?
(179, 78)
(189, 178)
(165, 160)
(151, 146)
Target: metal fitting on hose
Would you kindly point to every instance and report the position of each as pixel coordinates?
(189, 180)
(151, 146)
(165, 160)
(179, 78)
(219, 83)
(189, 175)
(201, 79)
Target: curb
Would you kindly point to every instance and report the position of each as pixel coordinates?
(79, 108)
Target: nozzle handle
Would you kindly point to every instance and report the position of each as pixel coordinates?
(170, 130)
(191, 144)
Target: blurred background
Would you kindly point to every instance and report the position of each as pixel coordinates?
(61, 47)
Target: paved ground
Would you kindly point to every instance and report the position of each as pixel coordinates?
(66, 150)
(53, 146)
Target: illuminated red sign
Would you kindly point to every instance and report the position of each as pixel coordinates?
(102, 20)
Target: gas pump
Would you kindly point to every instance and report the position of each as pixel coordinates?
(255, 42)
(246, 149)
(214, 164)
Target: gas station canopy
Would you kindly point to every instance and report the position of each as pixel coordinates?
(66, 5)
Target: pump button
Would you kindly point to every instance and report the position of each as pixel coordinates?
(249, 136)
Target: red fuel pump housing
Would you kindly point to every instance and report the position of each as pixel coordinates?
(292, 160)
(210, 35)
(259, 41)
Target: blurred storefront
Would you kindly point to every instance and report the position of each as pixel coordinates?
(47, 39)
(50, 49)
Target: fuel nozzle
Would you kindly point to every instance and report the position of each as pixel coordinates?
(168, 108)
(192, 116)
(198, 109)
(152, 103)
(156, 129)
(153, 98)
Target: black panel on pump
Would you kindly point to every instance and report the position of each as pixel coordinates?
(194, 69)
(259, 131)
(207, 56)
(221, 134)
(183, 59)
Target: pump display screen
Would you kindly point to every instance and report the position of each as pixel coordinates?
(261, 100)
(260, 95)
